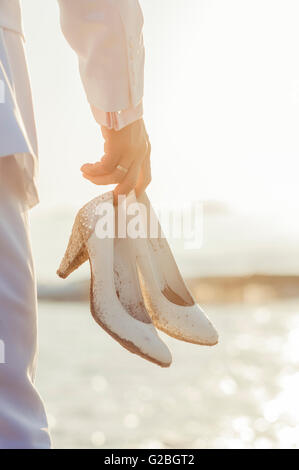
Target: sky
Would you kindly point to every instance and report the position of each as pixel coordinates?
(221, 104)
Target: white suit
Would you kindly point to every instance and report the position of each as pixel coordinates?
(107, 37)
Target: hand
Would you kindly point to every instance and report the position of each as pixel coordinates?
(130, 149)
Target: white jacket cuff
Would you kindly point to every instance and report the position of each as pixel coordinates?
(117, 120)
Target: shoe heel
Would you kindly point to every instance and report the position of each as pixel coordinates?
(76, 252)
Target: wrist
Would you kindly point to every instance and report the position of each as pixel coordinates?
(108, 132)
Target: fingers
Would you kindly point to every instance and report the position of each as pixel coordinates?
(126, 161)
(131, 140)
(129, 182)
(109, 162)
(105, 166)
(138, 178)
(101, 180)
(116, 176)
(145, 176)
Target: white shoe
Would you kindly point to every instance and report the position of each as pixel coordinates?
(115, 297)
(171, 306)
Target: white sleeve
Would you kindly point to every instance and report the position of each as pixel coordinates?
(107, 38)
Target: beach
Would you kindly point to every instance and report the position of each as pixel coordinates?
(241, 393)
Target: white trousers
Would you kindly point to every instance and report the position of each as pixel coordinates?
(23, 422)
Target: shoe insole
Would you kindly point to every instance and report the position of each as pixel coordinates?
(127, 281)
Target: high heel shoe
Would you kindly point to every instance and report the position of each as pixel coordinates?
(115, 298)
(171, 305)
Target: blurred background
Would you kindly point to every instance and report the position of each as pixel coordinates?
(222, 110)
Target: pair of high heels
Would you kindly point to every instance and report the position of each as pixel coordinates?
(135, 286)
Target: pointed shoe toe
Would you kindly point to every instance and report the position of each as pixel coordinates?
(196, 328)
(160, 350)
